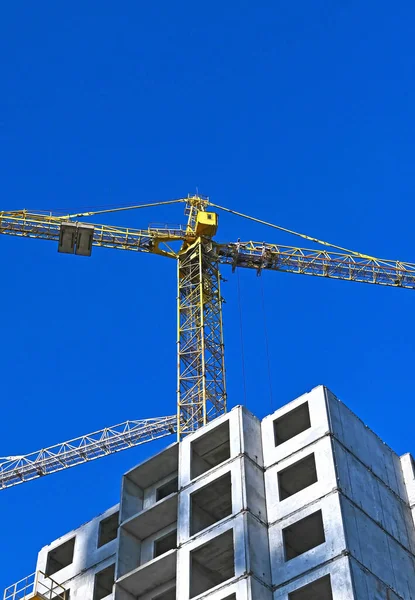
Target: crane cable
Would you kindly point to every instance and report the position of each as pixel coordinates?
(241, 334)
(302, 235)
(121, 208)
(271, 400)
(229, 210)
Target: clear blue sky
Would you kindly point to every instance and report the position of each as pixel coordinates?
(297, 112)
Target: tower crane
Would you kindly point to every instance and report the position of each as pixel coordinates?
(201, 390)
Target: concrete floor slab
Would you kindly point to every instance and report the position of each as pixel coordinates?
(151, 575)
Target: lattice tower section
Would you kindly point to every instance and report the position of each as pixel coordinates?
(201, 367)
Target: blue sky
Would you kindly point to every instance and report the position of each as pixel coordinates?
(300, 113)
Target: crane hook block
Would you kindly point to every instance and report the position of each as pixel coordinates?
(76, 239)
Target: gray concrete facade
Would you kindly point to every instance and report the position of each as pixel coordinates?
(308, 504)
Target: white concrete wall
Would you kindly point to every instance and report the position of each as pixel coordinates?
(246, 588)
(320, 427)
(368, 587)
(374, 497)
(373, 548)
(335, 541)
(248, 492)
(326, 480)
(340, 576)
(408, 468)
(352, 433)
(88, 559)
(251, 552)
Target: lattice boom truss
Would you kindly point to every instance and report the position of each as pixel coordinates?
(17, 469)
(322, 263)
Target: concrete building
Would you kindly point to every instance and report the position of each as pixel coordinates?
(308, 504)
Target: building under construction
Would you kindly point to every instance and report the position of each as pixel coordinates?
(308, 504)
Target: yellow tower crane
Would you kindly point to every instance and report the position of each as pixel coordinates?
(201, 390)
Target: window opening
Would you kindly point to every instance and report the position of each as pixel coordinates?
(303, 535)
(165, 543)
(211, 503)
(297, 477)
(104, 581)
(212, 563)
(60, 557)
(166, 489)
(291, 424)
(319, 589)
(108, 529)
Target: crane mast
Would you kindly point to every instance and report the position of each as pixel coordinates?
(201, 394)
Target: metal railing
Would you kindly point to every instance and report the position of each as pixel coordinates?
(36, 585)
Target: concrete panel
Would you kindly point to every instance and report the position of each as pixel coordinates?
(374, 497)
(81, 587)
(248, 492)
(129, 553)
(251, 551)
(368, 587)
(244, 437)
(366, 445)
(120, 594)
(253, 484)
(149, 576)
(258, 552)
(155, 468)
(158, 591)
(335, 542)
(247, 588)
(147, 545)
(132, 498)
(185, 450)
(408, 469)
(326, 480)
(377, 551)
(157, 517)
(86, 553)
(319, 427)
(250, 428)
(151, 492)
(340, 577)
(140, 484)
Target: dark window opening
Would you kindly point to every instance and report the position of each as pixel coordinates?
(291, 424)
(104, 581)
(165, 490)
(60, 557)
(317, 590)
(165, 543)
(297, 477)
(108, 529)
(212, 564)
(211, 503)
(303, 535)
(210, 450)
